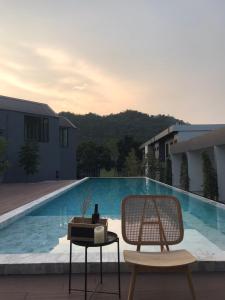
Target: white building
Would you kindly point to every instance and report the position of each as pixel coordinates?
(214, 144)
(162, 142)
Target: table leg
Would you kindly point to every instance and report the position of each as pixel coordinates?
(118, 252)
(85, 278)
(101, 264)
(70, 267)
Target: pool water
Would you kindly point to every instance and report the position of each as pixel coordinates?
(44, 230)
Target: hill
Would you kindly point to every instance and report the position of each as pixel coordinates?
(101, 129)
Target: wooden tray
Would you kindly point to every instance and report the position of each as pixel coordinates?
(82, 229)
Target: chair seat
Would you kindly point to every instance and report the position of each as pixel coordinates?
(159, 259)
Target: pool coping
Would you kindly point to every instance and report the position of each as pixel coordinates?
(92, 267)
(209, 201)
(57, 263)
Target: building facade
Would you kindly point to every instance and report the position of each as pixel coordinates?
(213, 143)
(162, 142)
(22, 121)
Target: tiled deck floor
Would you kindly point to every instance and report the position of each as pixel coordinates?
(208, 286)
(13, 195)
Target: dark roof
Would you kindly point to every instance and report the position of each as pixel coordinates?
(213, 138)
(64, 122)
(25, 106)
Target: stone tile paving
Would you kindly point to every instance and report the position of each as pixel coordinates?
(208, 286)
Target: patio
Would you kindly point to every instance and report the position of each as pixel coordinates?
(208, 286)
(14, 195)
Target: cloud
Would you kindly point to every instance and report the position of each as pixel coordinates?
(66, 82)
(11, 65)
(85, 78)
(55, 56)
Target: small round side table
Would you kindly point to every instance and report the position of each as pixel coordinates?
(110, 239)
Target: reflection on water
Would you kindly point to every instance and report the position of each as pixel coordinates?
(44, 230)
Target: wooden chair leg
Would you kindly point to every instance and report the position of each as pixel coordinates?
(190, 283)
(132, 283)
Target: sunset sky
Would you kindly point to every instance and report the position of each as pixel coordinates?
(158, 57)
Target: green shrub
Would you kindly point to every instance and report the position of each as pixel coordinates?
(29, 158)
(184, 178)
(132, 165)
(210, 185)
(168, 171)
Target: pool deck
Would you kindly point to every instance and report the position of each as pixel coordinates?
(14, 195)
(170, 286)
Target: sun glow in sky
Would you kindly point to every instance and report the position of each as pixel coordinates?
(104, 57)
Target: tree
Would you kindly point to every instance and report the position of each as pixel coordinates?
(210, 185)
(125, 146)
(168, 171)
(104, 158)
(132, 164)
(91, 158)
(4, 164)
(100, 129)
(111, 144)
(29, 158)
(184, 178)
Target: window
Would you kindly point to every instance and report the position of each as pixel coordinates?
(63, 137)
(36, 129)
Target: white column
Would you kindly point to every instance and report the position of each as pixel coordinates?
(146, 150)
(219, 152)
(176, 165)
(195, 171)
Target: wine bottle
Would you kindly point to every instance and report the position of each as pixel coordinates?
(95, 215)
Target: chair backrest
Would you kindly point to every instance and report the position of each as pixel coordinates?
(152, 220)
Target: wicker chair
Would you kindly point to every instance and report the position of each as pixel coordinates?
(154, 220)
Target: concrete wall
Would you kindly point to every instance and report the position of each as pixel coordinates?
(68, 156)
(49, 153)
(3, 122)
(168, 142)
(195, 166)
(160, 146)
(186, 135)
(176, 160)
(195, 171)
(220, 168)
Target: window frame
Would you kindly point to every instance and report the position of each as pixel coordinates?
(61, 137)
(38, 132)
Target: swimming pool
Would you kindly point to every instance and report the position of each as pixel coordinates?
(44, 229)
